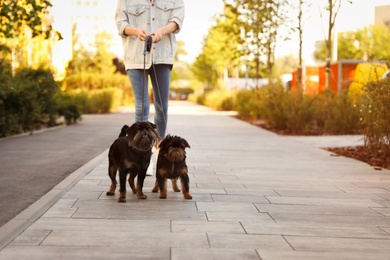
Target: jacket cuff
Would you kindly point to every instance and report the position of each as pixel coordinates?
(121, 31)
(178, 22)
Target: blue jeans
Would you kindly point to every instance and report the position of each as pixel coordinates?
(160, 74)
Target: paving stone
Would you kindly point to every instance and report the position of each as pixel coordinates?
(114, 238)
(331, 220)
(213, 253)
(77, 252)
(316, 209)
(104, 225)
(238, 216)
(248, 241)
(333, 244)
(255, 227)
(207, 227)
(323, 201)
(31, 237)
(239, 198)
(320, 255)
(226, 206)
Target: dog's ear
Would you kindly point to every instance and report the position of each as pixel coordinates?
(152, 125)
(186, 144)
(123, 131)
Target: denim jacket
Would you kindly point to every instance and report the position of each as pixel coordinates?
(148, 16)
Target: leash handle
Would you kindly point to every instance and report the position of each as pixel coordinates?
(148, 44)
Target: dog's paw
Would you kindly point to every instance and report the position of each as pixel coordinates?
(109, 193)
(142, 196)
(187, 196)
(121, 200)
(163, 196)
(176, 190)
(155, 190)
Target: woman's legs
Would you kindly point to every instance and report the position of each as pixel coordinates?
(160, 75)
(139, 85)
(161, 72)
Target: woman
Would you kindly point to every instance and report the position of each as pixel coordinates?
(160, 19)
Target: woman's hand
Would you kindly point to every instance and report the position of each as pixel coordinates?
(141, 34)
(157, 35)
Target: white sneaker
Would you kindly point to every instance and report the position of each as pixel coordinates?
(151, 168)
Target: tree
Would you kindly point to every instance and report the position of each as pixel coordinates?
(368, 43)
(302, 6)
(22, 20)
(260, 21)
(15, 15)
(220, 51)
(333, 9)
(103, 58)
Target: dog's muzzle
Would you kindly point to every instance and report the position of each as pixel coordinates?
(143, 142)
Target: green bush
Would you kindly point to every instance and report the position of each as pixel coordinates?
(99, 101)
(70, 106)
(9, 122)
(97, 88)
(298, 114)
(35, 89)
(219, 99)
(303, 113)
(344, 115)
(376, 116)
(247, 103)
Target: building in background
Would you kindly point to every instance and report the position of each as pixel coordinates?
(79, 21)
(382, 15)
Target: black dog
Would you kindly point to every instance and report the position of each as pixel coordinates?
(171, 164)
(131, 153)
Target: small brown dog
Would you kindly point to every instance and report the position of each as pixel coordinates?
(131, 153)
(171, 164)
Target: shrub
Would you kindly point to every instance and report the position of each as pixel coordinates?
(8, 115)
(247, 103)
(70, 106)
(344, 115)
(376, 116)
(98, 88)
(99, 101)
(219, 99)
(36, 89)
(303, 113)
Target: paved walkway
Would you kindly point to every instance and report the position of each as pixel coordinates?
(256, 195)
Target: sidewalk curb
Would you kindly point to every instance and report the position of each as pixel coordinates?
(24, 219)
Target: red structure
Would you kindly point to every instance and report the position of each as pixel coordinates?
(342, 74)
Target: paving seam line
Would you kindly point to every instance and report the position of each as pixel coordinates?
(23, 220)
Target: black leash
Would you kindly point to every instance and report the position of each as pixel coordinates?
(147, 49)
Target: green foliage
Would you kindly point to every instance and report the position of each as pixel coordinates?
(8, 117)
(70, 106)
(247, 103)
(292, 113)
(368, 43)
(376, 116)
(27, 100)
(15, 15)
(219, 99)
(345, 115)
(105, 90)
(220, 50)
(99, 101)
(36, 89)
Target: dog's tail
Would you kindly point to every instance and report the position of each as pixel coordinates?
(123, 131)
